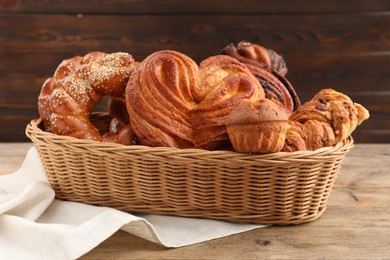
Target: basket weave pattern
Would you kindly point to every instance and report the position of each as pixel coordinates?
(280, 188)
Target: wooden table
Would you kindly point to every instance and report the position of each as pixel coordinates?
(356, 224)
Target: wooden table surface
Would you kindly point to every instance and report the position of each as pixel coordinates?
(356, 224)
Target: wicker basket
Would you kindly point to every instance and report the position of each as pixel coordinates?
(280, 188)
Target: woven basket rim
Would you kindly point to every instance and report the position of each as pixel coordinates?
(33, 130)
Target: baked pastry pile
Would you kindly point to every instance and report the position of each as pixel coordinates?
(239, 99)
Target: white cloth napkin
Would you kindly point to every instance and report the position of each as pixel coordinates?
(35, 225)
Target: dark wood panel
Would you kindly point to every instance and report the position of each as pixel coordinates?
(191, 7)
(287, 34)
(13, 129)
(307, 73)
(349, 74)
(374, 136)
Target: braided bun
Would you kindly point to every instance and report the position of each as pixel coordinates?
(67, 99)
(328, 118)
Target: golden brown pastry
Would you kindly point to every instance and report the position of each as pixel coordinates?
(269, 68)
(77, 86)
(294, 138)
(327, 119)
(311, 135)
(173, 102)
(123, 135)
(250, 53)
(257, 126)
(120, 130)
(264, 127)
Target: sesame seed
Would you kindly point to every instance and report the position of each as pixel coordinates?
(80, 83)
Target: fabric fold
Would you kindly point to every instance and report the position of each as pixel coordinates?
(30, 203)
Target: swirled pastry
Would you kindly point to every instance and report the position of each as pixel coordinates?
(173, 102)
(250, 53)
(270, 69)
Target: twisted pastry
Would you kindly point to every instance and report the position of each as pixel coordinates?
(263, 127)
(66, 100)
(269, 68)
(173, 102)
(327, 119)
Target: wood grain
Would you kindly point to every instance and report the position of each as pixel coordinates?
(191, 7)
(345, 46)
(366, 33)
(355, 225)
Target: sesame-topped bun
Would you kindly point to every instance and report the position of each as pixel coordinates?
(67, 99)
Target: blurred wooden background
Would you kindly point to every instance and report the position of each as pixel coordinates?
(343, 45)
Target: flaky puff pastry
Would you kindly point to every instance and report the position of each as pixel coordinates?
(263, 127)
(173, 102)
(328, 118)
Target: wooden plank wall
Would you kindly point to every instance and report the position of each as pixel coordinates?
(344, 45)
